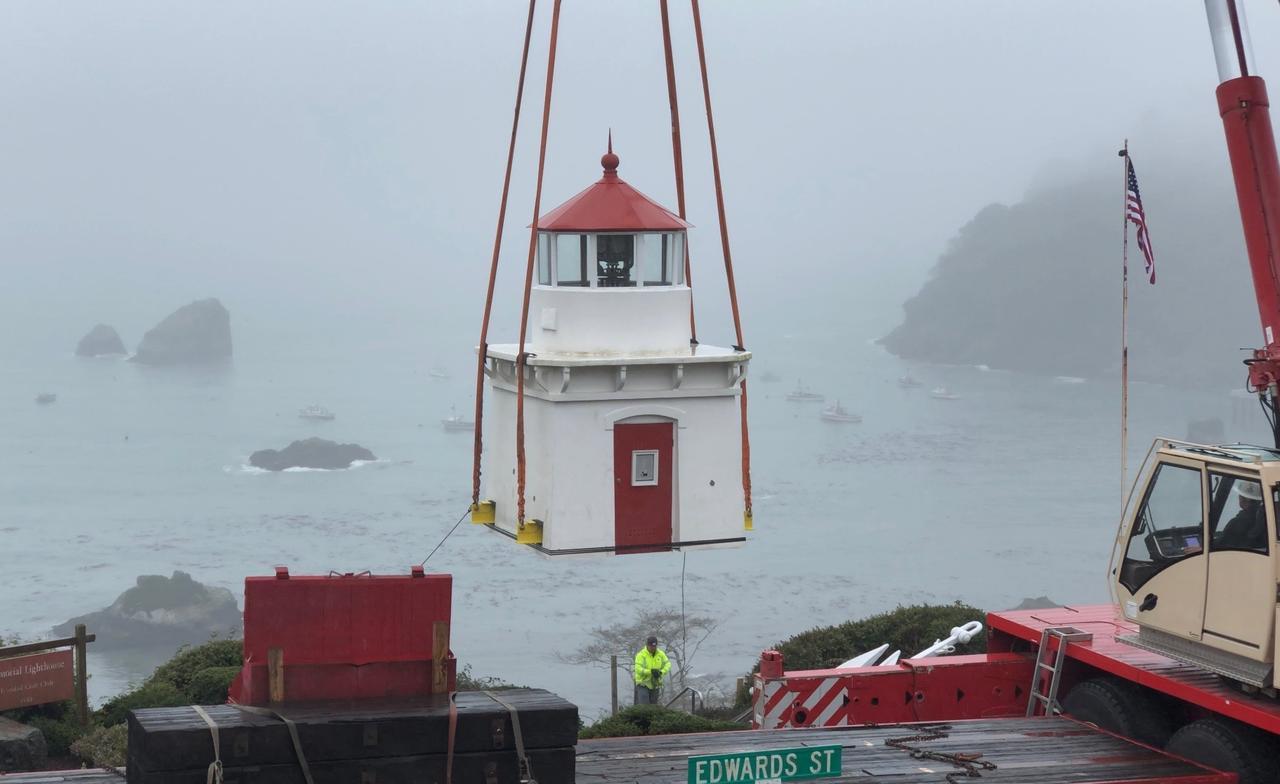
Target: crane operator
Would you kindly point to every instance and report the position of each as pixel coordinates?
(1248, 529)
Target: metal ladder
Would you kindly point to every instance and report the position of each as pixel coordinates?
(1048, 700)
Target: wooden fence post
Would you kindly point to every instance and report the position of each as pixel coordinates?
(82, 675)
(613, 682)
(275, 674)
(440, 657)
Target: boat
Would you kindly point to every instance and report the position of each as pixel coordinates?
(803, 394)
(455, 423)
(907, 382)
(438, 373)
(45, 398)
(316, 412)
(942, 393)
(836, 413)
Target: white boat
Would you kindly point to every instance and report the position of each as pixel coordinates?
(836, 413)
(942, 393)
(803, 394)
(455, 424)
(907, 382)
(316, 412)
(437, 373)
(45, 398)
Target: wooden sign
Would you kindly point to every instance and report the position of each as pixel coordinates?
(36, 679)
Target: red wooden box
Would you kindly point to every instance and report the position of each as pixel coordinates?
(344, 636)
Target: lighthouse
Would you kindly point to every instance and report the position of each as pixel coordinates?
(631, 429)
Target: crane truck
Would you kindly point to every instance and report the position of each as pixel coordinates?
(1184, 659)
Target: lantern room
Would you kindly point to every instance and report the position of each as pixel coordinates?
(631, 429)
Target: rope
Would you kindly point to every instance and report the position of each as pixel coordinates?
(728, 258)
(677, 156)
(482, 353)
(453, 736)
(446, 538)
(526, 770)
(214, 775)
(528, 273)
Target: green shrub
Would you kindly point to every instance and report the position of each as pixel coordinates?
(182, 668)
(103, 747)
(653, 720)
(209, 686)
(151, 694)
(466, 681)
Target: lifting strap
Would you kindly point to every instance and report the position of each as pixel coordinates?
(677, 157)
(728, 258)
(215, 768)
(482, 353)
(453, 736)
(526, 770)
(528, 272)
(293, 735)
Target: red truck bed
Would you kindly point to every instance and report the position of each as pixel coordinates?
(1009, 630)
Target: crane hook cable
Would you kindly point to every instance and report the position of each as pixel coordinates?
(728, 258)
(483, 350)
(528, 272)
(677, 156)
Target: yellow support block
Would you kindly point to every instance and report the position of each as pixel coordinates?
(483, 513)
(748, 522)
(530, 532)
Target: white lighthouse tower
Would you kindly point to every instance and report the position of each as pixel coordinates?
(632, 433)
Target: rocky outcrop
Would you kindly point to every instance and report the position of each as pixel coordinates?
(22, 747)
(1035, 286)
(195, 333)
(162, 611)
(102, 340)
(310, 453)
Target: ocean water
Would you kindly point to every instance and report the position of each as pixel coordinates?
(1012, 490)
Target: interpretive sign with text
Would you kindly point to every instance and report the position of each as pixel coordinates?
(744, 767)
(36, 679)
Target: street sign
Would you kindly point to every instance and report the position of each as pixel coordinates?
(36, 679)
(747, 767)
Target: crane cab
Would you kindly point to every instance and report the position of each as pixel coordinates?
(1195, 563)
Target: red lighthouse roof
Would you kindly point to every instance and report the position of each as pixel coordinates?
(611, 205)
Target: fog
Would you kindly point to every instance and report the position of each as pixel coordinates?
(331, 173)
(346, 162)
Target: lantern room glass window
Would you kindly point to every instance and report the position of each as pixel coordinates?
(571, 260)
(611, 260)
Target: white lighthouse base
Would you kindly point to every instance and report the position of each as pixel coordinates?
(623, 453)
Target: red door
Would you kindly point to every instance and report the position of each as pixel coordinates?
(642, 487)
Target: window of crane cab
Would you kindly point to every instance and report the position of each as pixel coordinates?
(1237, 515)
(1169, 526)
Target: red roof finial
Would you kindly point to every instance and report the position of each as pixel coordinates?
(610, 161)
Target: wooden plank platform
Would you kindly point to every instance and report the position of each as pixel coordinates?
(171, 739)
(1029, 751)
(1161, 673)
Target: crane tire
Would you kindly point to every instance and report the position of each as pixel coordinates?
(1229, 746)
(1120, 707)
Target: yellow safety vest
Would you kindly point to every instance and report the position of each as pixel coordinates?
(646, 663)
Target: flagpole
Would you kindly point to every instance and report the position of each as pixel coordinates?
(1124, 338)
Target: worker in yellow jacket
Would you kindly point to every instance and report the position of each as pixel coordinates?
(652, 666)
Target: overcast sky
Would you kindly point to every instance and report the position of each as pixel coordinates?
(350, 155)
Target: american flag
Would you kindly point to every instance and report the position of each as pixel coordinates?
(1136, 216)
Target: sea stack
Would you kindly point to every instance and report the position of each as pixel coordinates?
(102, 340)
(195, 333)
(310, 453)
